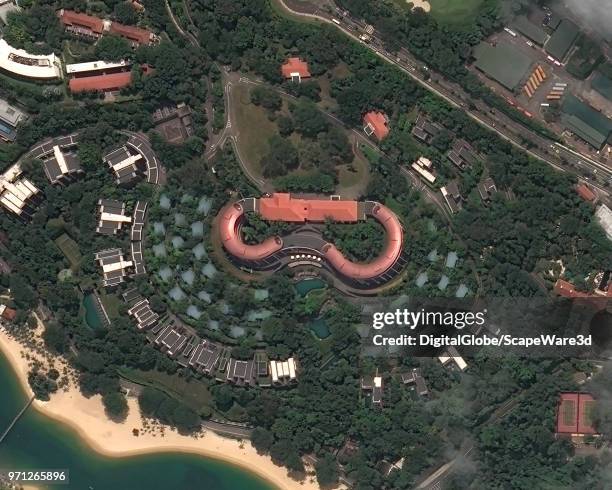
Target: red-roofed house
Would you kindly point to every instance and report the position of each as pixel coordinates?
(376, 123)
(295, 69)
(81, 24)
(598, 299)
(135, 35)
(101, 83)
(575, 414)
(585, 192)
(7, 313)
(568, 290)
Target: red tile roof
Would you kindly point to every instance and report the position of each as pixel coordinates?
(585, 192)
(136, 34)
(230, 220)
(9, 313)
(283, 207)
(378, 123)
(574, 414)
(382, 263)
(72, 18)
(295, 65)
(568, 290)
(100, 83)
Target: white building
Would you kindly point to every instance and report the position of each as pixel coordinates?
(23, 64)
(94, 66)
(604, 217)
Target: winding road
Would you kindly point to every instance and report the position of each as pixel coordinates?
(551, 152)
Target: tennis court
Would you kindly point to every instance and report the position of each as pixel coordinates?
(70, 249)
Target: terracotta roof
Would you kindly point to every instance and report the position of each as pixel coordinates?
(585, 192)
(378, 124)
(99, 83)
(9, 313)
(568, 290)
(136, 34)
(382, 263)
(70, 18)
(295, 65)
(574, 414)
(229, 226)
(283, 207)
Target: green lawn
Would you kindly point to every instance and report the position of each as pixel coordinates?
(372, 155)
(455, 11)
(111, 303)
(254, 128)
(353, 179)
(193, 393)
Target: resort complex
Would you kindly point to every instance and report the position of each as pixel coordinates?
(342, 244)
(305, 246)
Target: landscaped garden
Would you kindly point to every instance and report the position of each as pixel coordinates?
(294, 145)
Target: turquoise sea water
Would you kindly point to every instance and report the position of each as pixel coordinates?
(39, 442)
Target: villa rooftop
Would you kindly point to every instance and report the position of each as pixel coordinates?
(111, 216)
(61, 167)
(143, 314)
(124, 164)
(376, 123)
(114, 266)
(295, 69)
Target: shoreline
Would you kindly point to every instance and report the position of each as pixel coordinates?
(115, 440)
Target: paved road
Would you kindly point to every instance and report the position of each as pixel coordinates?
(230, 430)
(541, 148)
(186, 34)
(232, 134)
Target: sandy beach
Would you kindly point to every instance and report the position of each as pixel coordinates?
(111, 439)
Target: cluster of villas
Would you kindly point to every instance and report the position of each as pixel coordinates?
(305, 246)
(461, 154)
(129, 163)
(207, 357)
(413, 379)
(96, 76)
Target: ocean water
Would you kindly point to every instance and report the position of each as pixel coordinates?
(39, 442)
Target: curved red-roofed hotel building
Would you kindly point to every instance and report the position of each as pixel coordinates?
(230, 221)
(308, 248)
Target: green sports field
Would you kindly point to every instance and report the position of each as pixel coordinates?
(70, 249)
(455, 11)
